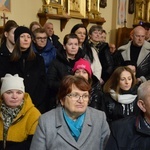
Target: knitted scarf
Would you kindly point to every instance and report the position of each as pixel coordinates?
(124, 98)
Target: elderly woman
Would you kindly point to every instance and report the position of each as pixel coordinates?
(73, 125)
(18, 116)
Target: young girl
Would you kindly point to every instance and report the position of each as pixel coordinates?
(7, 40)
(7, 45)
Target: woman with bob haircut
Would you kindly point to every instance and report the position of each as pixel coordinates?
(120, 94)
(73, 125)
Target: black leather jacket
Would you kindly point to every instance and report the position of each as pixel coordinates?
(96, 94)
(115, 110)
(106, 60)
(143, 69)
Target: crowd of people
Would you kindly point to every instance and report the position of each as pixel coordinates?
(81, 94)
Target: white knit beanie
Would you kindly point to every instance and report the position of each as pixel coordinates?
(10, 82)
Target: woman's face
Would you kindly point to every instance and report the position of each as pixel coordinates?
(81, 34)
(25, 41)
(103, 37)
(13, 98)
(82, 72)
(10, 36)
(34, 27)
(96, 36)
(125, 82)
(75, 107)
(72, 47)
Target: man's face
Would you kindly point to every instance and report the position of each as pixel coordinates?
(146, 105)
(40, 40)
(49, 29)
(139, 37)
(147, 33)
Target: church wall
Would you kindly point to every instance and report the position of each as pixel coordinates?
(25, 11)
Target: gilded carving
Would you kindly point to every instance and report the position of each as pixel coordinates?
(142, 8)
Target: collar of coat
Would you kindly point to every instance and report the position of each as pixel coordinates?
(140, 127)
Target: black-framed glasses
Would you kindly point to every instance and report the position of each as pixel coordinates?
(75, 96)
(41, 38)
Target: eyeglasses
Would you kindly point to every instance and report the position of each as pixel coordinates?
(76, 97)
(41, 38)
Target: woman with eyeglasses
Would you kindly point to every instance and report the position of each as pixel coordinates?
(73, 125)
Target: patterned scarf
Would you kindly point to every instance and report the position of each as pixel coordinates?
(96, 46)
(8, 114)
(74, 126)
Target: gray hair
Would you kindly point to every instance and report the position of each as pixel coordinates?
(143, 90)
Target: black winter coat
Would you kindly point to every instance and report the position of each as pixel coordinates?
(58, 69)
(4, 60)
(143, 69)
(129, 134)
(96, 95)
(115, 110)
(106, 60)
(34, 75)
(56, 42)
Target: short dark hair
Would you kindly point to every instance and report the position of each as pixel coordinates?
(146, 25)
(38, 30)
(77, 26)
(69, 36)
(94, 28)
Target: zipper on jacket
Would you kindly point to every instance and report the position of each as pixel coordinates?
(6, 132)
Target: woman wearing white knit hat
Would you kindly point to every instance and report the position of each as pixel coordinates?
(18, 116)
